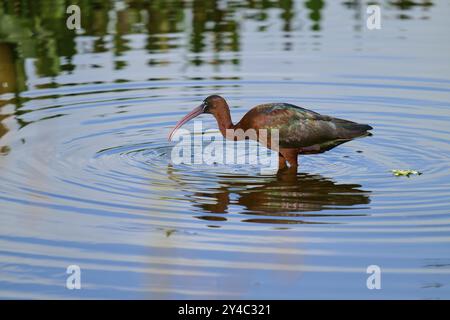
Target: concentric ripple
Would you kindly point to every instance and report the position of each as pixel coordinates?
(100, 176)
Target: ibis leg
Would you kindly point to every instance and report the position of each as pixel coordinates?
(291, 156)
(281, 162)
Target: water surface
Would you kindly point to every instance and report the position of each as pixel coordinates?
(87, 176)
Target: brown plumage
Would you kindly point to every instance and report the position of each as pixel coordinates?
(301, 131)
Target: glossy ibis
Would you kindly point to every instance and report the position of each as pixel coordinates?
(301, 131)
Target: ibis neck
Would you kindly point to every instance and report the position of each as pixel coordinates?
(224, 121)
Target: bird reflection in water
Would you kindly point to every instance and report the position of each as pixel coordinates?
(287, 198)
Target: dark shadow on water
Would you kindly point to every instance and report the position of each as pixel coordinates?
(285, 198)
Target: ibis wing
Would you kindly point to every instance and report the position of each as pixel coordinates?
(299, 127)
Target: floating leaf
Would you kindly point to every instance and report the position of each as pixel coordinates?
(405, 173)
(170, 231)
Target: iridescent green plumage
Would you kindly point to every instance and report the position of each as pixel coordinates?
(302, 128)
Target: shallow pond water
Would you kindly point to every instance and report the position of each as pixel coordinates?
(86, 171)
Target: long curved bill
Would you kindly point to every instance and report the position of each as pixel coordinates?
(191, 115)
